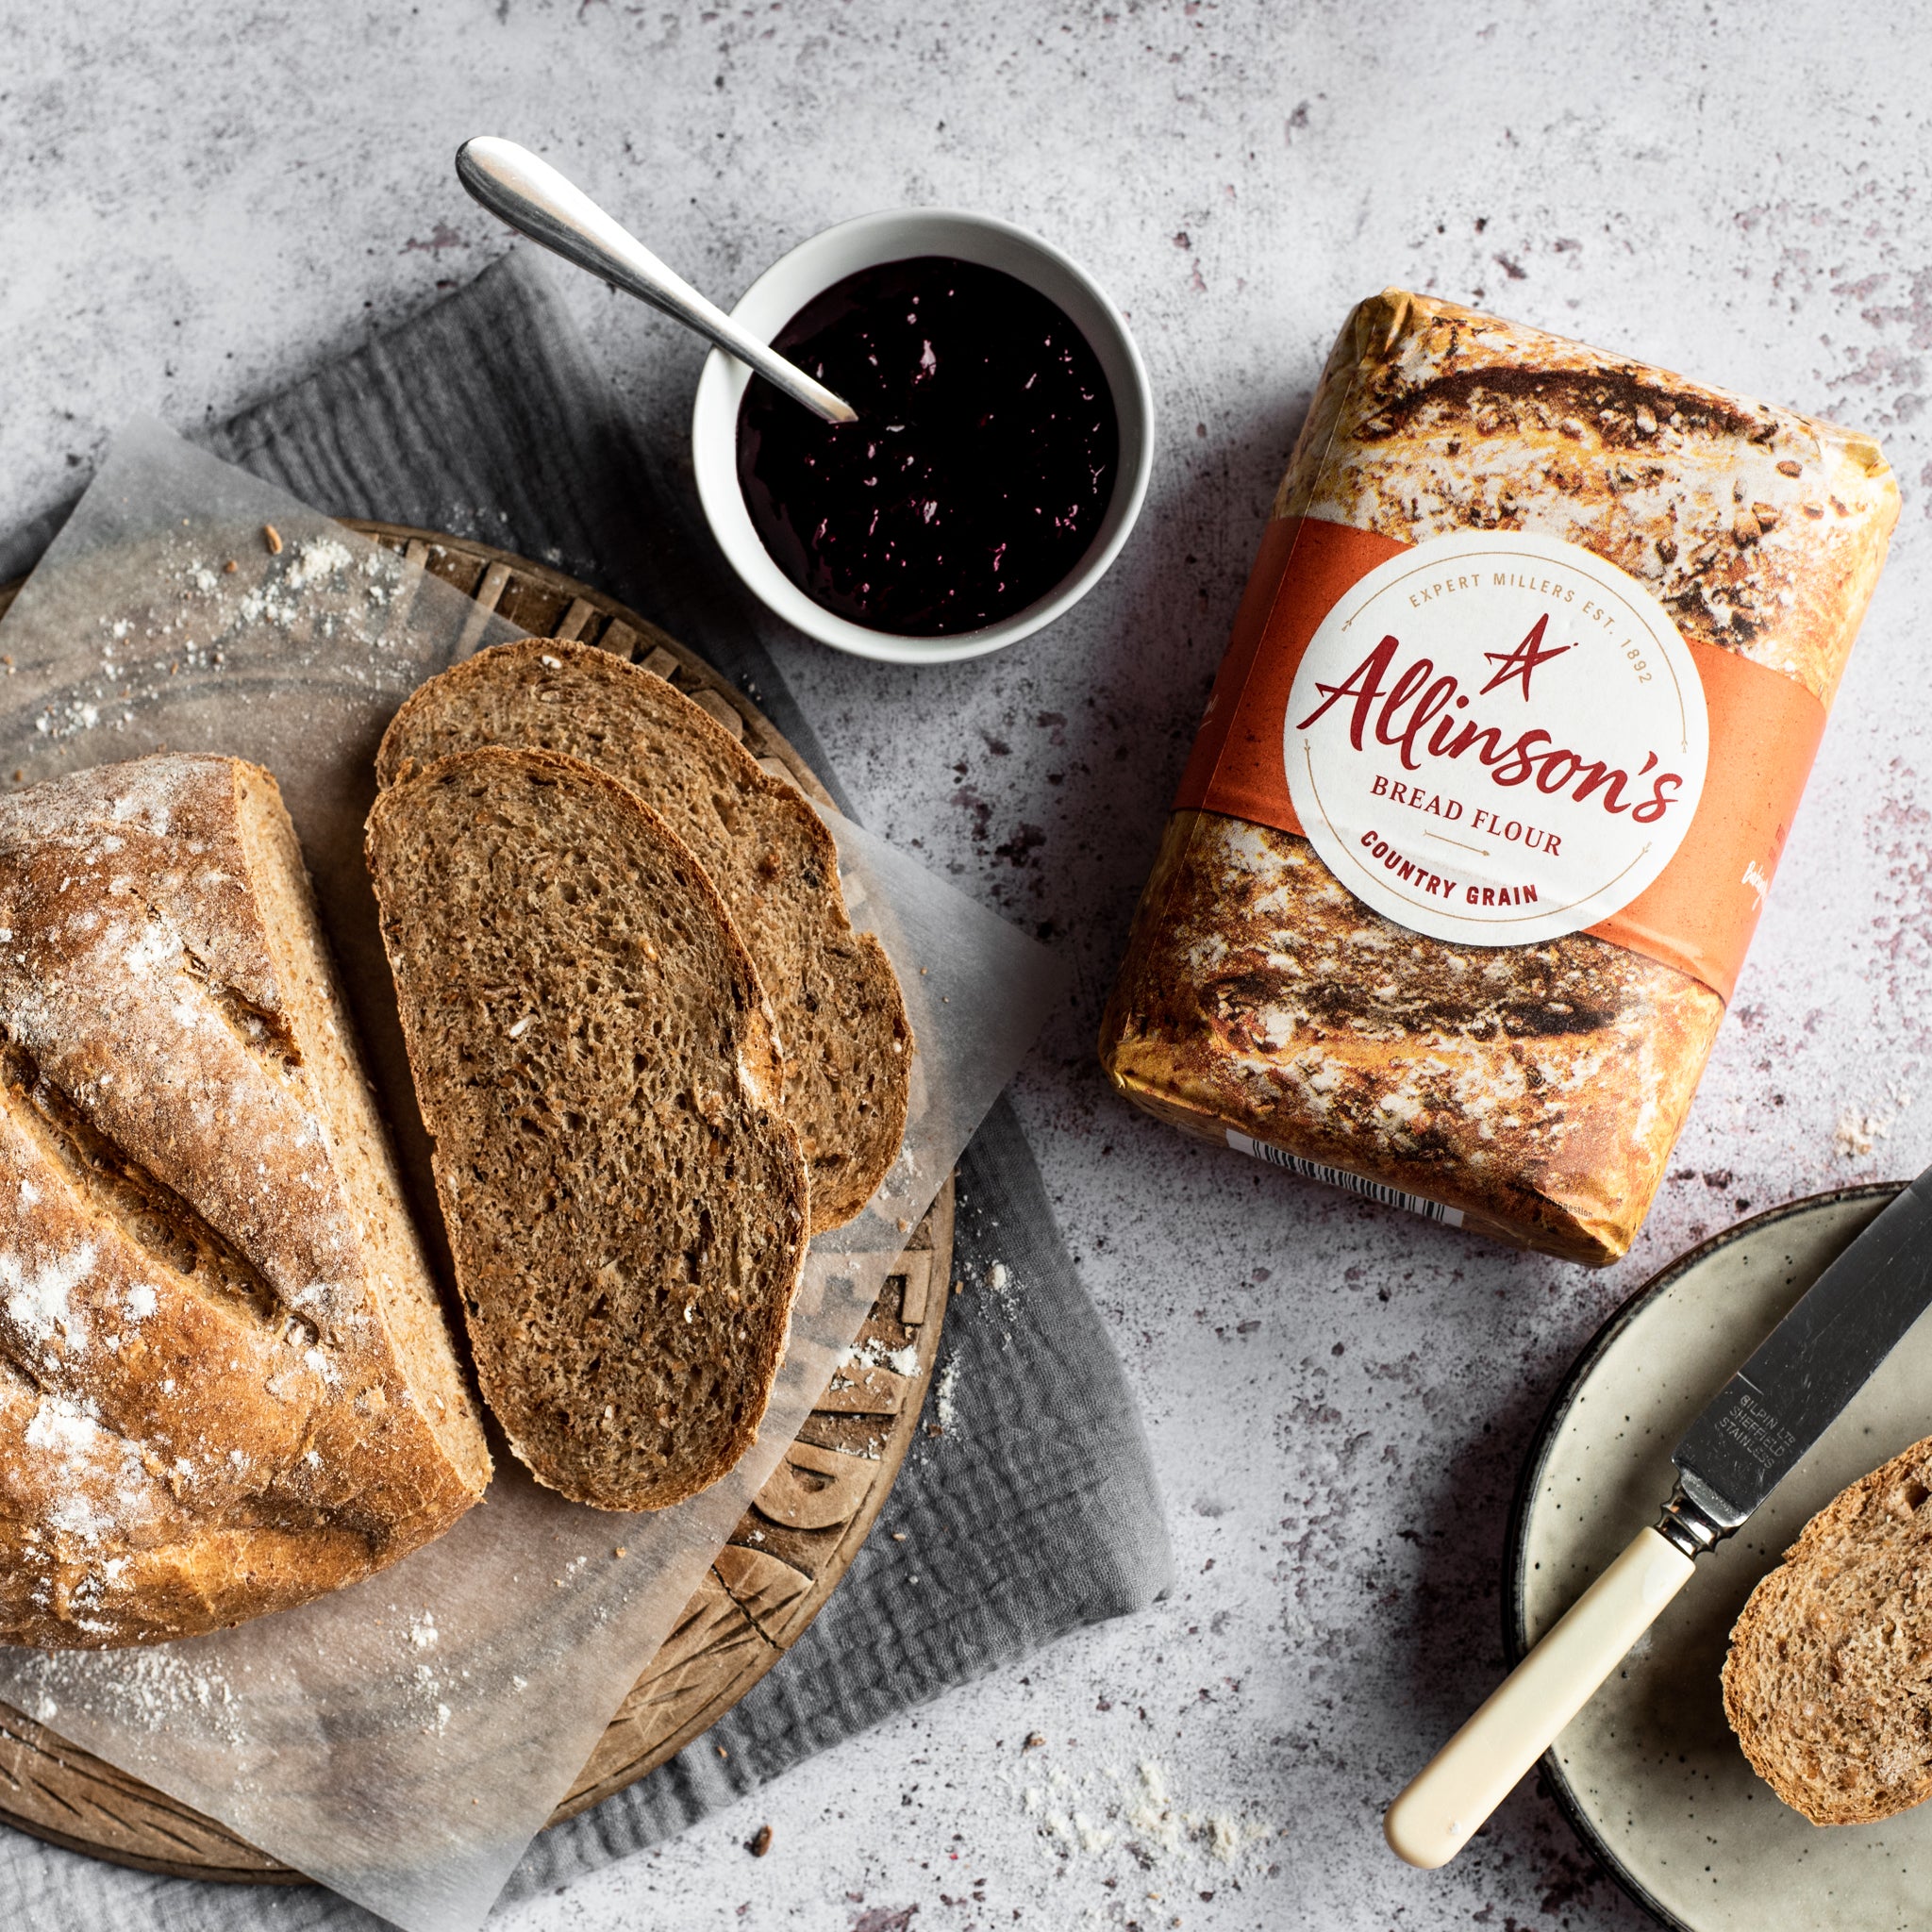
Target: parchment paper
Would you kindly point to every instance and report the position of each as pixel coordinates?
(402, 1741)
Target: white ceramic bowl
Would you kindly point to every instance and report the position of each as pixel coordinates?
(811, 269)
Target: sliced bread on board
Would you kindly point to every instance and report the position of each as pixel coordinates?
(628, 1207)
(225, 1381)
(1828, 1683)
(842, 1018)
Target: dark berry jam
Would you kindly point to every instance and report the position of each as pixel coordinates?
(980, 468)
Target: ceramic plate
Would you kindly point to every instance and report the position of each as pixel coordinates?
(1649, 1773)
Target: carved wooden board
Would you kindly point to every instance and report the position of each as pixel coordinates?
(801, 1532)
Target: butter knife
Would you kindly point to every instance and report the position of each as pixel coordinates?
(1761, 1425)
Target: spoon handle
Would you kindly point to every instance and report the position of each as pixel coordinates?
(527, 192)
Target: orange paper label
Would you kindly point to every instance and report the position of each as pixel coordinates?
(1497, 737)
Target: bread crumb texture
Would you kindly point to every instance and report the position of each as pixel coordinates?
(225, 1385)
(628, 1207)
(1828, 1683)
(836, 999)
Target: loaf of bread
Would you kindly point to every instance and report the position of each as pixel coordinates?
(1533, 1089)
(225, 1381)
(1828, 1683)
(842, 1018)
(627, 1207)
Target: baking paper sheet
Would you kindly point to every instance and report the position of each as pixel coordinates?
(404, 1739)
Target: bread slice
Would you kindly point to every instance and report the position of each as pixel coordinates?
(848, 1049)
(1828, 1683)
(225, 1381)
(627, 1207)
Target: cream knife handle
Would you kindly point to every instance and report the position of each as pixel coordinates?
(1479, 1766)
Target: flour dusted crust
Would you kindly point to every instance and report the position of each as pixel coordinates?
(1538, 1089)
(225, 1383)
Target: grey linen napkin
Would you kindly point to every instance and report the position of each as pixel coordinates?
(1038, 1512)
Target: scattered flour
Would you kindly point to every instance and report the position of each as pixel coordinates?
(319, 557)
(1859, 1132)
(872, 1354)
(1109, 1809)
(944, 1406)
(37, 1298)
(151, 1691)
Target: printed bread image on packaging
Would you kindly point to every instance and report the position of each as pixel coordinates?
(1519, 706)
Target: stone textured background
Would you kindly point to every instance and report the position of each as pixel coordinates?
(203, 201)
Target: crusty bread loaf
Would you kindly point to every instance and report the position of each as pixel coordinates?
(1828, 1683)
(842, 1018)
(226, 1383)
(628, 1208)
(1537, 1090)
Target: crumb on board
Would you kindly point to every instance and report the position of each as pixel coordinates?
(273, 538)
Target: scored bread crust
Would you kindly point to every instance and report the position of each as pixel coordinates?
(1828, 1680)
(1537, 1088)
(628, 1208)
(841, 1014)
(225, 1385)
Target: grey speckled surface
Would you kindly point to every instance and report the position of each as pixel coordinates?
(204, 201)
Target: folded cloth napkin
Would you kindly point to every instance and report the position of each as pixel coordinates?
(1036, 1511)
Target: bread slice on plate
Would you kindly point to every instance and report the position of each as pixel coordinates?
(628, 1207)
(1828, 1683)
(842, 1018)
(225, 1381)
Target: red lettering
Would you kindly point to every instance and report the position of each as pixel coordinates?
(1433, 700)
(1405, 687)
(1470, 734)
(1596, 774)
(1519, 662)
(1363, 684)
(1654, 807)
(1554, 774)
(1518, 765)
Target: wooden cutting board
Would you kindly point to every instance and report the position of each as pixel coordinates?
(804, 1527)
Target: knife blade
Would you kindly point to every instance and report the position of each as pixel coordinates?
(1750, 1435)
(1765, 1419)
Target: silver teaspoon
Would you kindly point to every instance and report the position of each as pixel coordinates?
(529, 193)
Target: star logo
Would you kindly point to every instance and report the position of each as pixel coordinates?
(1519, 662)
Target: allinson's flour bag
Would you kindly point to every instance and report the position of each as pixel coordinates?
(1517, 712)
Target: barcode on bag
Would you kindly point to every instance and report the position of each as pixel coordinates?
(1349, 1183)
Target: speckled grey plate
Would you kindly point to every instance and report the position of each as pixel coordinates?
(1649, 1773)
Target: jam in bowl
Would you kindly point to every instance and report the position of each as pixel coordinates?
(1000, 455)
(981, 464)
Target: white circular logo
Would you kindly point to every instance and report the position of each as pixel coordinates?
(1496, 739)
